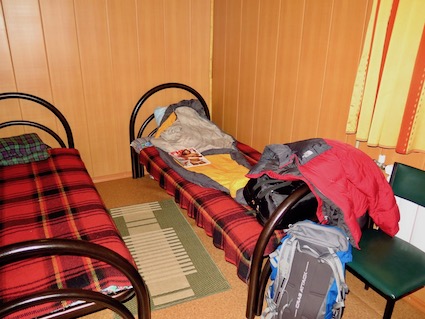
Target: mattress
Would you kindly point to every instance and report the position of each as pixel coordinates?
(55, 198)
(229, 223)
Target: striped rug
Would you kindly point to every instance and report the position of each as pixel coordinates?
(169, 255)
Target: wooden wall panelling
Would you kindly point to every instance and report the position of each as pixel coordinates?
(174, 47)
(63, 58)
(218, 61)
(177, 43)
(266, 72)
(248, 71)
(200, 50)
(187, 45)
(122, 20)
(306, 54)
(26, 40)
(287, 68)
(9, 110)
(315, 41)
(348, 24)
(373, 152)
(95, 59)
(7, 83)
(98, 83)
(412, 159)
(152, 53)
(232, 65)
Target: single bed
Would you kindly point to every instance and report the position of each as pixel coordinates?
(230, 224)
(61, 255)
(361, 186)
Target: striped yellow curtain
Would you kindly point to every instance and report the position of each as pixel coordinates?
(388, 103)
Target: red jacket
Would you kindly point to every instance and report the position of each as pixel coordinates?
(346, 182)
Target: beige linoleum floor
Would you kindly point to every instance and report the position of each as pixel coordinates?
(360, 304)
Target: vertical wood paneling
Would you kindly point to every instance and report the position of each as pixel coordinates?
(177, 43)
(152, 53)
(232, 66)
(65, 69)
(7, 82)
(218, 63)
(9, 110)
(314, 50)
(179, 40)
(347, 29)
(98, 84)
(152, 43)
(172, 49)
(266, 71)
(413, 159)
(122, 19)
(199, 55)
(94, 60)
(307, 94)
(278, 76)
(248, 61)
(26, 40)
(287, 70)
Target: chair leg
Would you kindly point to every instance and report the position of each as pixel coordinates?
(389, 309)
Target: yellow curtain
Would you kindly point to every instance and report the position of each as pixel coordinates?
(387, 107)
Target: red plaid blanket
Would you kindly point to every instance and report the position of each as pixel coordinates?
(222, 218)
(55, 198)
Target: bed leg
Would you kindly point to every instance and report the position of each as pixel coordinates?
(137, 169)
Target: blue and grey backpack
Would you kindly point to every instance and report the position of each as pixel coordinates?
(308, 273)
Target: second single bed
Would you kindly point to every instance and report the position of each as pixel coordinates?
(216, 209)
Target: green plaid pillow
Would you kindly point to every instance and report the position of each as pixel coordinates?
(20, 149)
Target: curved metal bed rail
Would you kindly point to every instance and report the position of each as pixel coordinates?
(259, 274)
(66, 294)
(95, 301)
(50, 107)
(137, 170)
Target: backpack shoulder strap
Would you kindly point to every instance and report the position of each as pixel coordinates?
(335, 263)
(281, 262)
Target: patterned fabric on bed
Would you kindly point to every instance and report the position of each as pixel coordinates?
(55, 198)
(21, 149)
(222, 218)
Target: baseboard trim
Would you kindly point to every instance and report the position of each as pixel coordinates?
(107, 178)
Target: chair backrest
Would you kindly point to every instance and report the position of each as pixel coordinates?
(409, 183)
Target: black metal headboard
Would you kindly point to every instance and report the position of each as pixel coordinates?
(50, 107)
(137, 169)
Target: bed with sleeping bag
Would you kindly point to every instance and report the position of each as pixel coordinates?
(217, 204)
(208, 192)
(344, 182)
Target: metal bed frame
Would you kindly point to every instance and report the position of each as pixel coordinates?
(93, 301)
(260, 269)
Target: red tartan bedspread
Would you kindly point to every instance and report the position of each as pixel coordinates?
(222, 218)
(55, 198)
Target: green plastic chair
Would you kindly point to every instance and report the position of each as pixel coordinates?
(391, 266)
